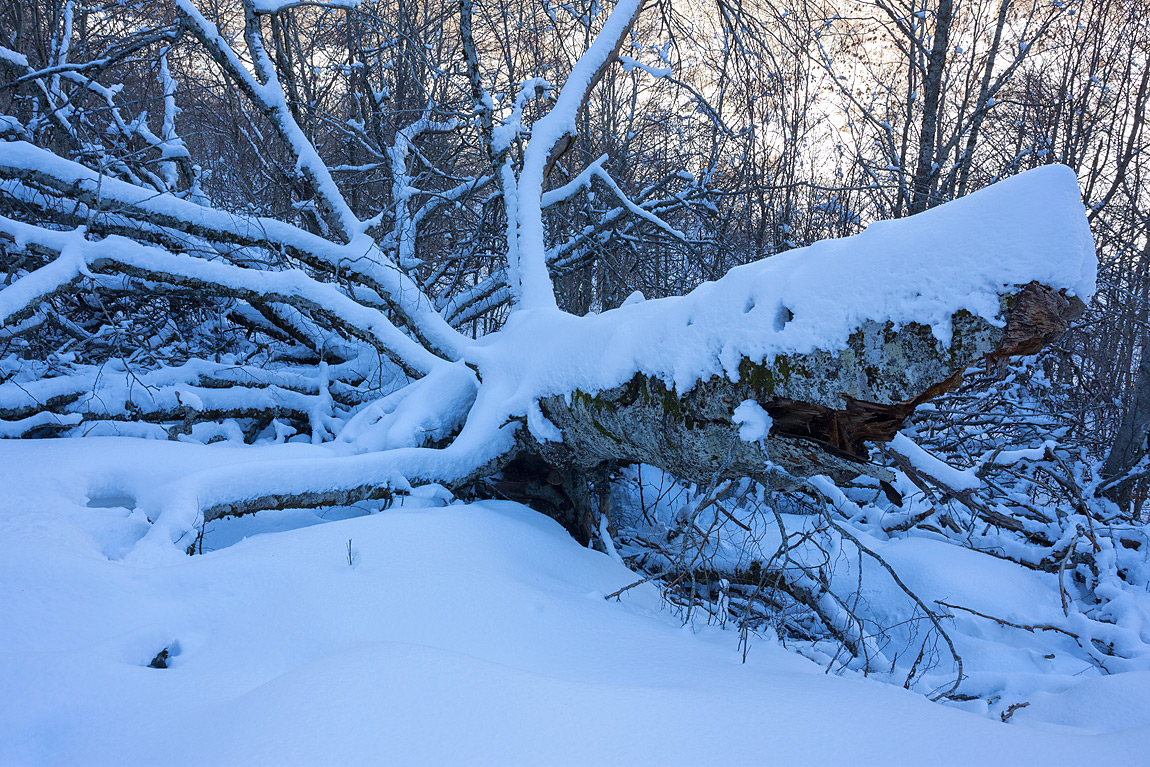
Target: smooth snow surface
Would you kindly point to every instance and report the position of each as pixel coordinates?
(456, 635)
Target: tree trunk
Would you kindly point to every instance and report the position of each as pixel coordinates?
(1130, 443)
(926, 168)
(824, 408)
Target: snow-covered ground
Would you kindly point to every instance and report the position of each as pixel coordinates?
(462, 634)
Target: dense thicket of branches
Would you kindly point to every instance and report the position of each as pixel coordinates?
(251, 220)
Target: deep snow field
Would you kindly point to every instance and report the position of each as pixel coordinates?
(457, 634)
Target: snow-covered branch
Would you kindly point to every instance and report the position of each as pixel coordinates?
(74, 257)
(361, 258)
(551, 136)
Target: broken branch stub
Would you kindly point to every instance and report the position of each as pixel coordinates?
(824, 405)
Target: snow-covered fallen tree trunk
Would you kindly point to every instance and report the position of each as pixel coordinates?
(788, 367)
(804, 413)
(785, 368)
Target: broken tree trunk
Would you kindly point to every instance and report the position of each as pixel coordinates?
(788, 367)
(824, 407)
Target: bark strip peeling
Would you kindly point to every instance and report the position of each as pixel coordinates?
(825, 405)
